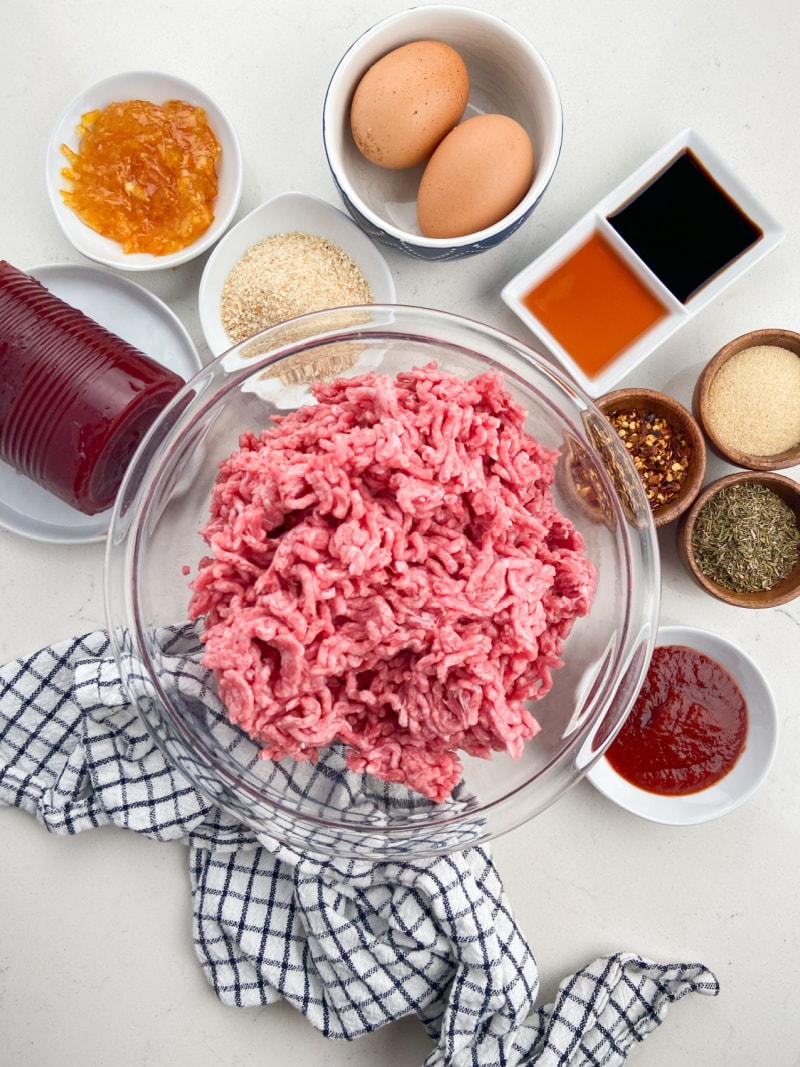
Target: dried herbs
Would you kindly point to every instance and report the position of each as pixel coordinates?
(746, 538)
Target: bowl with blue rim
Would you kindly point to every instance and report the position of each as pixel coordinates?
(507, 76)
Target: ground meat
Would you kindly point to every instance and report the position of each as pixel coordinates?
(389, 570)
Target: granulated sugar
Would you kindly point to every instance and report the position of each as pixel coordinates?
(286, 275)
(754, 400)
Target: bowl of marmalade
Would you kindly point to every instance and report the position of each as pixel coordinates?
(644, 260)
(143, 171)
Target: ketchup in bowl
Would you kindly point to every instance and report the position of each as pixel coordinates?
(75, 399)
(687, 728)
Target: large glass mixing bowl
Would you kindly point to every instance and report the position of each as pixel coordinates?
(154, 544)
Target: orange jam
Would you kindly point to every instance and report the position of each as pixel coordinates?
(594, 305)
(144, 174)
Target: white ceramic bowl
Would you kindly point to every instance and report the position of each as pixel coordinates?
(157, 87)
(748, 772)
(507, 76)
(286, 213)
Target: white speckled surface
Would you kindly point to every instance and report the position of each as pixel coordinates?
(96, 960)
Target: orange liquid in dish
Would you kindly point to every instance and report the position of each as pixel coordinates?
(594, 305)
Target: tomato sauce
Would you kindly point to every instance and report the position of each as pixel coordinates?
(687, 728)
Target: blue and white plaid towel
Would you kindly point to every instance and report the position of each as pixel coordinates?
(352, 945)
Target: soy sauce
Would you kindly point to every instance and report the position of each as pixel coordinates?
(685, 227)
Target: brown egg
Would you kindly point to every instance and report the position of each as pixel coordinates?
(407, 102)
(479, 172)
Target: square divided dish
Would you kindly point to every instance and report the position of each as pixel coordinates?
(645, 259)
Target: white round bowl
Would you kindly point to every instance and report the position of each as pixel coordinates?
(158, 88)
(286, 213)
(507, 76)
(748, 772)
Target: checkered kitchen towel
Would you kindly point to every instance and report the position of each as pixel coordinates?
(352, 945)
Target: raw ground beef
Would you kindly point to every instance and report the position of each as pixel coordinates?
(388, 569)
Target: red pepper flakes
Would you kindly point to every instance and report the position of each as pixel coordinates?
(660, 455)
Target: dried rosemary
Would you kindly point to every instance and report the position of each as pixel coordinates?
(746, 538)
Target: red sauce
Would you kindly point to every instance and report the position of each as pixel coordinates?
(687, 728)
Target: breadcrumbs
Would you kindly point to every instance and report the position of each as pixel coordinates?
(286, 275)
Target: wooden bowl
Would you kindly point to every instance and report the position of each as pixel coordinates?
(783, 591)
(723, 438)
(682, 422)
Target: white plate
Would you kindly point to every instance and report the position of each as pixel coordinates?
(157, 87)
(138, 317)
(750, 769)
(287, 213)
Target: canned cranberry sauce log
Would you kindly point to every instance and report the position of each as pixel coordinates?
(75, 399)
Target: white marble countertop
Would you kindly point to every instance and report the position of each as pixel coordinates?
(96, 959)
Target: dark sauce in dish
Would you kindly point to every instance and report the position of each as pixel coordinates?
(685, 227)
(687, 728)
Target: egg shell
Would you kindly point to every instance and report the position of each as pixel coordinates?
(479, 172)
(407, 102)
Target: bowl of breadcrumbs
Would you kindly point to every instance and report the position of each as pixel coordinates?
(293, 255)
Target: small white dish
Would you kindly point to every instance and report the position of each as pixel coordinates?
(286, 213)
(748, 772)
(674, 310)
(139, 317)
(157, 87)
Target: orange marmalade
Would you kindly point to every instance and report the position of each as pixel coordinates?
(144, 174)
